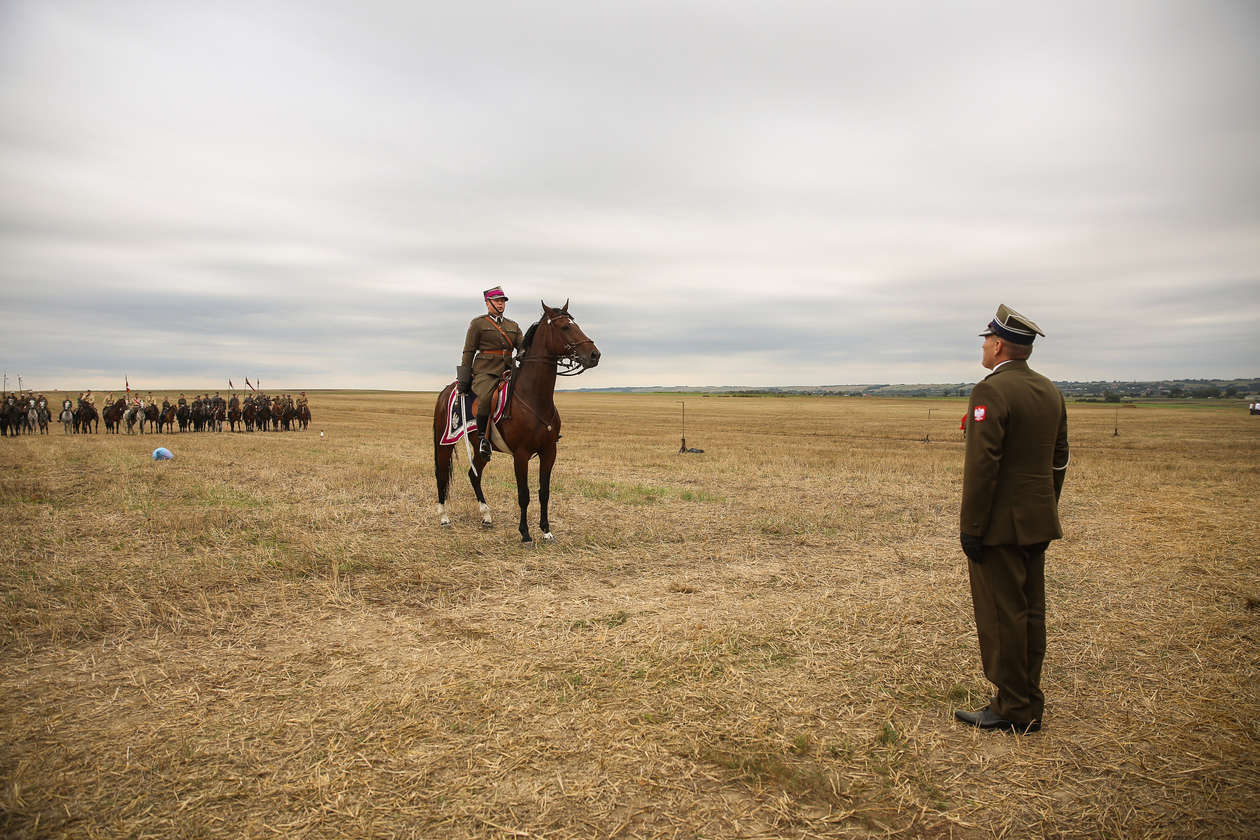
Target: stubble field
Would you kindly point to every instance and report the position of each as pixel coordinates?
(270, 636)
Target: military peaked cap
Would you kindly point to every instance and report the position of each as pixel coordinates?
(1009, 325)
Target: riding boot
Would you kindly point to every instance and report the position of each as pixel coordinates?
(483, 425)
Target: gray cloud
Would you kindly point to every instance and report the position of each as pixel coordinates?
(730, 193)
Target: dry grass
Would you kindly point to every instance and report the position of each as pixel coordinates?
(270, 636)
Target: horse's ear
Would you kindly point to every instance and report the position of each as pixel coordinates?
(565, 308)
(544, 304)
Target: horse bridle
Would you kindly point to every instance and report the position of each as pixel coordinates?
(567, 362)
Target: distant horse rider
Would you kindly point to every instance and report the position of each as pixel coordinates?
(491, 339)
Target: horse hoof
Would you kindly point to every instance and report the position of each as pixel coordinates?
(445, 523)
(549, 537)
(486, 524)
(527, 543)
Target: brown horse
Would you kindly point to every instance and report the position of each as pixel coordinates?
(86, 420)
(114, 415)
(530, 426)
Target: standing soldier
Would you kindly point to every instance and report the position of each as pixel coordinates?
(1016, 458)
(491, 338)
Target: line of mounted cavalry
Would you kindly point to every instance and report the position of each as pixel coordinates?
(26, 413)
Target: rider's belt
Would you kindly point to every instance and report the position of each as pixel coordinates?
(494, 352)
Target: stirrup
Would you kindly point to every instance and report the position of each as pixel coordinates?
(485, 448)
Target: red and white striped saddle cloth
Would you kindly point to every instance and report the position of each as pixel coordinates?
(460, 419)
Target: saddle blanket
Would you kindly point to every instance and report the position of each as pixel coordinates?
(460, 419)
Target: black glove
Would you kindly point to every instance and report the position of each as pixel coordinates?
(973, 547)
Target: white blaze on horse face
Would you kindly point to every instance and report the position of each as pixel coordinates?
(485, 512)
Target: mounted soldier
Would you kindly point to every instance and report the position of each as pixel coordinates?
(488, 347)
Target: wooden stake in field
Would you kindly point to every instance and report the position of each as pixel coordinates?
(683, 447)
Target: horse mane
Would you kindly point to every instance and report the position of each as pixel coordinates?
(529, 337)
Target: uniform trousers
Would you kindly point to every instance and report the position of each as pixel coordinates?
(1008, 593)
(483, 386)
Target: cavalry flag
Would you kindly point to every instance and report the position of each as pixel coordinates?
(247, 385)
(127, 383)
(230, 385)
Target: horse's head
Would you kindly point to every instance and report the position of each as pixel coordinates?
(557, 336)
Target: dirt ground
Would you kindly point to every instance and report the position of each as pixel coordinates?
(270, 635)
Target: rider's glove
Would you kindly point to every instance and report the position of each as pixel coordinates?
(973, 547)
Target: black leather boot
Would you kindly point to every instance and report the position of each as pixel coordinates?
(483, 425)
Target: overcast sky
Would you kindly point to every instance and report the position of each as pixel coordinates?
(728, 192)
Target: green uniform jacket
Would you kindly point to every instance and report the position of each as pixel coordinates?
(487, 368)
(1016, 442)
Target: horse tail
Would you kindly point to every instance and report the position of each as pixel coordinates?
(440, 451)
